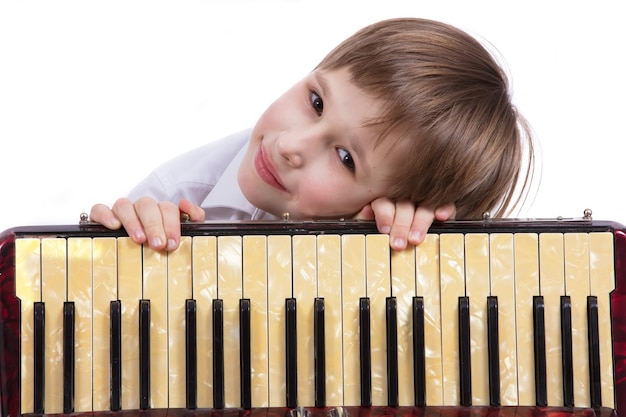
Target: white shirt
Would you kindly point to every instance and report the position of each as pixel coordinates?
(207, 176)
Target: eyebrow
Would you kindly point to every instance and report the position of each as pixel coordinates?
(321, 80)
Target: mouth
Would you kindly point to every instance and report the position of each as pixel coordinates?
(266, 170)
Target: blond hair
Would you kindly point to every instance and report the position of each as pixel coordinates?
(449, 101)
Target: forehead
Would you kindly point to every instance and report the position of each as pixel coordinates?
(364, 111)
(347, 100)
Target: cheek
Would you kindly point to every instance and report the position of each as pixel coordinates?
(266, 122)
(277, 116)
(324, 196)
(316, 191)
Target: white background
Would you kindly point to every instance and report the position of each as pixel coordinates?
(95, 94)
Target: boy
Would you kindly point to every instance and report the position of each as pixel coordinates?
(406, 122)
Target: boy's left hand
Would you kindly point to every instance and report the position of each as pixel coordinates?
(404, 222)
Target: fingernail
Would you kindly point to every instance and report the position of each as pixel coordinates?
(416, 236)
(399, 243)
(140, 236)
(171, 244)
(385, 229)
(155, 242)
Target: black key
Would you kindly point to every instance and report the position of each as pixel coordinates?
(319, 352)
(419, 353)
(244, 351)
(539, 327)
(144, 354)
(493, 349)
(116, 355)
(291, 353)
(68, 356)
(566, 351)
(365, 352)
(39, 356)
(392, 351)
(191, 355)
(465, 370)
(218, 354)
(593, 334)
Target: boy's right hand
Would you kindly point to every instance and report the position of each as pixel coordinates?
(146, 220)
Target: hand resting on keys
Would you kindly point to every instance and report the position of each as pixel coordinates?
(403, 221)
(158, 223)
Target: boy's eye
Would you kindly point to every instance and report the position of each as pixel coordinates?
(317, 103)
(346, 158)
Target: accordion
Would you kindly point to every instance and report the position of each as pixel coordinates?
(513, 317)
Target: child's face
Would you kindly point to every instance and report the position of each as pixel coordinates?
(311, 153)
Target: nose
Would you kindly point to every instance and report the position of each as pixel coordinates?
(294, 148)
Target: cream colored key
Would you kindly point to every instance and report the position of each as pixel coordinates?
(452, 287)
(526, 254)
(79, 291)
(229, 289)
(129, 293)
(552, 283)
(477, 289)
(428, 286)
(53, 293)
(279, 288)
(503, 286)
(304, 291)
(204, 292)
(155, 290)
(602, 278)
(179, 290)
(329, 288)
(104, 291)
(378, 289)
(403, 288)
(576, 254)
(28, 290)
(352, 289)
(255, 289)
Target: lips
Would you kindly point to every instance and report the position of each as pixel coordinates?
(266, 170)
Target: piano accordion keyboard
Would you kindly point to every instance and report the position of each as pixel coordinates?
(485, 283)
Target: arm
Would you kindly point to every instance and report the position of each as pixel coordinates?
(149, 214)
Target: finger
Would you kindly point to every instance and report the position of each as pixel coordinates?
(196, 213)
(148, 214)
(366, 213)
(124, 210)
(384, 212)
(402, 223)
(445, 212)
(170, 216)
(102, 214)
(422, 220)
